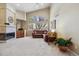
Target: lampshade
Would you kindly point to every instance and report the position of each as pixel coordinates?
(53, 30)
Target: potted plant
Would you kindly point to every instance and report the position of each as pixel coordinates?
(69, 44)
(63, 44)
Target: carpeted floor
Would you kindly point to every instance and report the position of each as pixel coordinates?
(29, 46)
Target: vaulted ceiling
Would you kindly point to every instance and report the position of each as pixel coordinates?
(29, 7)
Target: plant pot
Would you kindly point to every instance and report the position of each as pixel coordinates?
(71, 47)
(62, 48)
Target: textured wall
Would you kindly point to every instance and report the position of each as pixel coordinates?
(68, 21)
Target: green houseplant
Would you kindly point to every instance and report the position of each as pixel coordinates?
(63, 44)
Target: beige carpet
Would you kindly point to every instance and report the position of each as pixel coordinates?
(29, 46)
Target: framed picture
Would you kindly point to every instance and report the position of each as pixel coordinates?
(53, 24)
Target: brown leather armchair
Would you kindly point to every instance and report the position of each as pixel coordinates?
(50, 37)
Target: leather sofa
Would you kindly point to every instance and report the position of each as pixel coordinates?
(38, 33)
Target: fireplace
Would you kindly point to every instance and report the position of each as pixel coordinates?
(6, 36)
(9, 35)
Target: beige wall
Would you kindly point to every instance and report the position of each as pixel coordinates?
(10, 11)
(68, 21)
(5, 12)
(12, 14)
(20, 15)
(2, 17)
(12, 26)
(42, 12)
(2, 5)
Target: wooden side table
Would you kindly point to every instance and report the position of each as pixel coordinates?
(20, 33)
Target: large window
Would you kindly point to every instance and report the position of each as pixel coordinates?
(38, 22)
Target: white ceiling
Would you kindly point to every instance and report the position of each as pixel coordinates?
(28, 7)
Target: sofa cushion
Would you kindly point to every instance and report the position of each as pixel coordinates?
(39, 33)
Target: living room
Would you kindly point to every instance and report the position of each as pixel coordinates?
(38, 24)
